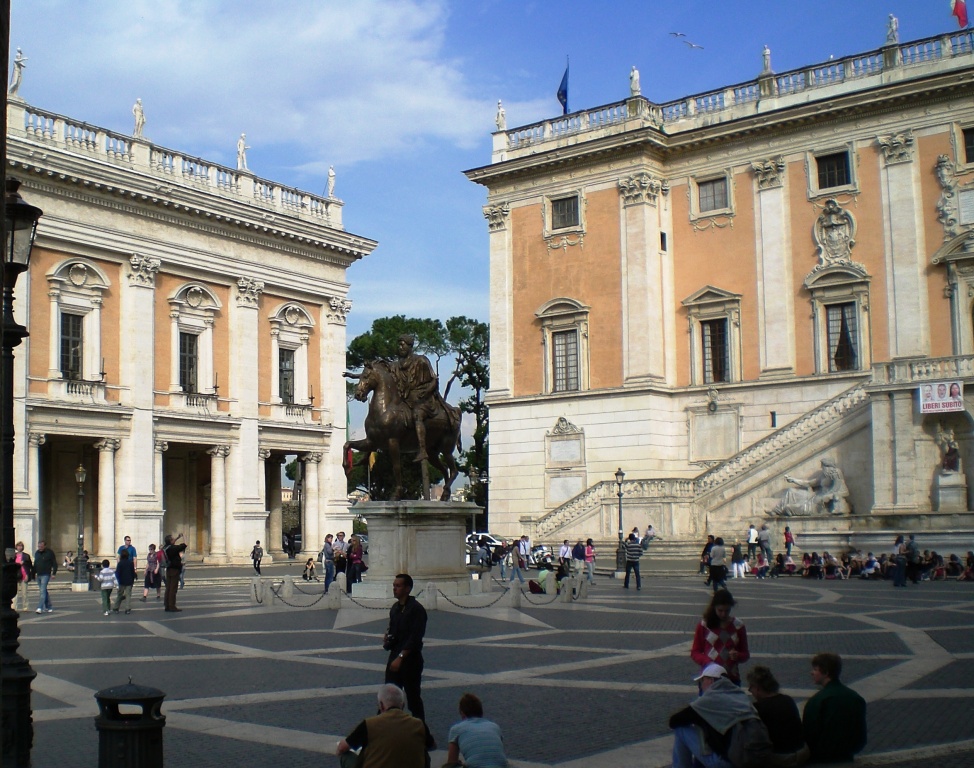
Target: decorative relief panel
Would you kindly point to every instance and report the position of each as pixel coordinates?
(835, 234)
(339, 309)
(955, 209)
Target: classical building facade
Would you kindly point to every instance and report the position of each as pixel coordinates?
(187, 332)
(719, 291)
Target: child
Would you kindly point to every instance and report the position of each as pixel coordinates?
(309, 571)
(107, 578)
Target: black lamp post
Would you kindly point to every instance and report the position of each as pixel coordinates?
(19, 226)
(81, 561)
(621, 551)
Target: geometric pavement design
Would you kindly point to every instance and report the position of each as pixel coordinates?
(590, 683)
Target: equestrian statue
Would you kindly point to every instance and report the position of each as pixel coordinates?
(407, 414)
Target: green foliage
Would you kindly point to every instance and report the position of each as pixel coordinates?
(291, 470)
(382, 340)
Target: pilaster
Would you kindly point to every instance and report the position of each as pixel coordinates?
(501, 300)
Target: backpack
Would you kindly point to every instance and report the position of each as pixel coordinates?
(163, 558)
(750, 744)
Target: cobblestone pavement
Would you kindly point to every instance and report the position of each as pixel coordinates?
(589, 683)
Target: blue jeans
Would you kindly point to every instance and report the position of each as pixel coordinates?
(44, 604)
(516, 569)
(633, 565)
(329, 573)
(689, 745)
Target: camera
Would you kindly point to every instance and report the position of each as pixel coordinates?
(390, 641)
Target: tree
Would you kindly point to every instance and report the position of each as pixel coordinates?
(464, 340)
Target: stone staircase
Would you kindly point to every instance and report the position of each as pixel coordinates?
(735, 487)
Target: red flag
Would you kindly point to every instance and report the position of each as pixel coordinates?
(959, 9)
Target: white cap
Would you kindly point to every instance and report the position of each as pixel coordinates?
(711, 670)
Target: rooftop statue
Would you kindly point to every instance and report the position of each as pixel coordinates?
(823, 493)
(242, 152)
(892, 30)
(407, 414)
(634, 89)
(331, 181)
(501, 120)
(139, 115)
(20, 61)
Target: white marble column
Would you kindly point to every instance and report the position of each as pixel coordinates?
(772, 242)
(161, 447)
(218, 504)
(27, 516)
(312, 506)
(903, 209)
(644, 283)
(107, 509)
(274, 504)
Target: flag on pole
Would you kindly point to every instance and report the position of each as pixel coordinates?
(563, 91)
(959, 9)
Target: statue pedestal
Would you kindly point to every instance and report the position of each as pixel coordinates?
(426, 539)
(950, 492)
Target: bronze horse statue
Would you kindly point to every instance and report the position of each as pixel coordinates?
(389, 426)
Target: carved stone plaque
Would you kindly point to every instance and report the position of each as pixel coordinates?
(965, 201)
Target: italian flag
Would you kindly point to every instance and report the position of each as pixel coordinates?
(959, 9)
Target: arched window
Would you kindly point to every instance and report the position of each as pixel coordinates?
(192, 310)
(291, 328)
(75, 289)
(840, 310)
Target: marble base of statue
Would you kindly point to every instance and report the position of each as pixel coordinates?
(950, 491)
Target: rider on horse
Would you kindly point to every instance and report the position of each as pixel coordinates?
(419, 388)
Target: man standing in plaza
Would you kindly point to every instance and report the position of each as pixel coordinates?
(133, 555)
(404, 641)
(578, 557)
(517, 561)
(834, 720)
(174, 555)
(764, 542)
(565, 554)
(45, 567)
(391, 739)
(634, 551)
(752, 542)
(328, 561)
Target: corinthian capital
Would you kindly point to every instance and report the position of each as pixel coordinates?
(642, 188)
(340, 307)
(144, 270)
(496, 216)
(897, 148)
(769, 172)
(249, 291)
(312, 458)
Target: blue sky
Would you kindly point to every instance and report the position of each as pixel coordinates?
(400, 95)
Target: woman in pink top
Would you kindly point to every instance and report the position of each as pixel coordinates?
(590, 561)
(24, 574)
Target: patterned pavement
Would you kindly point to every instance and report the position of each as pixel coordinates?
(590, 683)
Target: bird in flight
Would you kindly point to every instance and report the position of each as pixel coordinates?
(678, 34)
(692, 45)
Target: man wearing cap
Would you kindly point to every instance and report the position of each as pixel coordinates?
(701, 732)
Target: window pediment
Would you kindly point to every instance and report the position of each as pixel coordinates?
(561, 307)
(293, 316)
(836, 275)
(709, 295)
(195, 296)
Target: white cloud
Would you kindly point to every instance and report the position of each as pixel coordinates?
(336, 81)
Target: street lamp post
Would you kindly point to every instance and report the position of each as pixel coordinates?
(621, 551)
(81, 561)
(19, 222)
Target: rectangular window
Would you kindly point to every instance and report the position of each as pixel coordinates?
(188, 362)
(564, 212)
(843, 337)
(833, 170)
(969, 145)
(72, 346)
(712, 195)
(565, 361)
(716, 357)
(286, 375)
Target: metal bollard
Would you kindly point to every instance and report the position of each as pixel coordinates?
(130, 739)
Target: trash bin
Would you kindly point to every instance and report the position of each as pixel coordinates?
(93, 584)
(130, 726)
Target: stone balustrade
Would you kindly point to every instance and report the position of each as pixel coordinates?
(170, 166)
(904, 372)
(726, 103)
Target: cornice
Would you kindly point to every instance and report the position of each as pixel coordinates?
(668, 146)
(103, 184)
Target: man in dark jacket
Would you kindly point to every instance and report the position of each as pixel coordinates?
(125, 576)
(633, 552)
(834, 720)
(45, 568)
(173, 552)
(404, 641)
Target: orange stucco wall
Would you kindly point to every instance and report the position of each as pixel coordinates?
(928, 149)
(588, 273)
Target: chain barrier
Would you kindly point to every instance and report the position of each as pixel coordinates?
(527, 596)
(277, 594)
(471, 607)
(303, 592)
(363, 605)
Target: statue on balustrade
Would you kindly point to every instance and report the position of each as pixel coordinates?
(242, 152)
(501, 119)
(331, 182)
(407, 414)
(823, 493)
(634, 88)
(20, 61)
(139, 115)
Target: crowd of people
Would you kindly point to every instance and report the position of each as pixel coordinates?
(163, 567)
(753, 555)
(724, 726)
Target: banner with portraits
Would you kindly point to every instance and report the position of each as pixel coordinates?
(941, 396)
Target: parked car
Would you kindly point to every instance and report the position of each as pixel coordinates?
(364, 538)
(473, 540)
